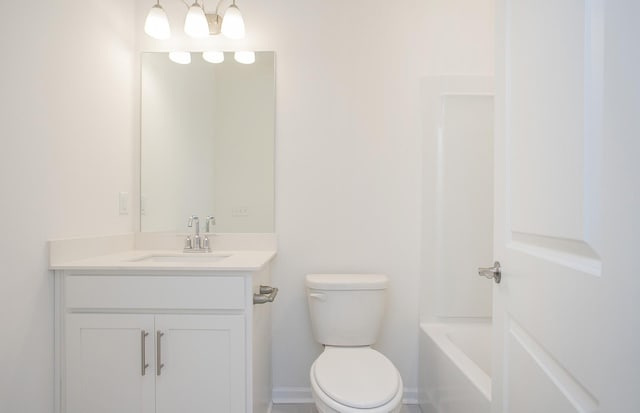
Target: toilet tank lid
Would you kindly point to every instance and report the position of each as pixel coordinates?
(347, 281)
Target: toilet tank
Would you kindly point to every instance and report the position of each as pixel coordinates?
(346, 309)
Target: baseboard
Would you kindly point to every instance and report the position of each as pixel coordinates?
(410, 396)
(292, 395)
(302, 395)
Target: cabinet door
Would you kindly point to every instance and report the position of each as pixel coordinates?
(204, 364)
(104, 355)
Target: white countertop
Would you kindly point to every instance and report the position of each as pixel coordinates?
(130, 260)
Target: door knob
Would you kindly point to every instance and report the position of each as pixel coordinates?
(491, 272)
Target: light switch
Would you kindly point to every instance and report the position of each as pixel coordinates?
(123, 203)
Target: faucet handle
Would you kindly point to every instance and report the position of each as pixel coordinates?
(210, 220)
(187, 243)
(191, 219)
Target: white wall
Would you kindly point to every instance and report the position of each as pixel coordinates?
(66, 127)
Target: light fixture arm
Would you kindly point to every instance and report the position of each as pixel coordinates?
(218, 6)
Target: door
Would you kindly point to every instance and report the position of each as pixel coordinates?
(203, 364)
(105, 357)
(567, 312)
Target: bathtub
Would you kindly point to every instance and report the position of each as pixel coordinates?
(455, 368)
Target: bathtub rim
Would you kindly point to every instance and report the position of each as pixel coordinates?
(438, 332)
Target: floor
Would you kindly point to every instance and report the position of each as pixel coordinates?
(309, 408)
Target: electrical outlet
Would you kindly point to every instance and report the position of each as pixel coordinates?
(240, 211)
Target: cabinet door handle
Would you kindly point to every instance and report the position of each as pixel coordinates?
(143, 351)
(159, 364)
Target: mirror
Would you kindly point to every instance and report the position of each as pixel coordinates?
(207, 143)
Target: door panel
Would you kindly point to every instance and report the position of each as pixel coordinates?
(103, 364)
(204, 365)
(547, 210)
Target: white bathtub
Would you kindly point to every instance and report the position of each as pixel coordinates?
(455, 368)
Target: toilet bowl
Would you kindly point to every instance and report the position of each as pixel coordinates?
(346, 315)
(355, 380)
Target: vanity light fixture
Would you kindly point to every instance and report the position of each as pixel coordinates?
(245, 57)
(232, 23)
(157, 25)
(197, 23)
(182, 58)
(213, 56)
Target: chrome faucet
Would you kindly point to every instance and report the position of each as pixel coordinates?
(211, 220)
(195, 244)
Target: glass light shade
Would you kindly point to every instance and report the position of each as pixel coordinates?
(232, 23)
(182, 58)
(245, 57)
(195, 24)
(157, 25)
(213, 56)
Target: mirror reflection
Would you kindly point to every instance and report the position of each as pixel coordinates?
(207, 143)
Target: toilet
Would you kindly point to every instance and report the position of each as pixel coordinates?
(346, 315)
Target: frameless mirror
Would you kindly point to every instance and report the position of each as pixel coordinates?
(207, 143)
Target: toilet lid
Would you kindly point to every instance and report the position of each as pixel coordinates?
(356, 377)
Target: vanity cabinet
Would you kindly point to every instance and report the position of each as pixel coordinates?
(161, 343)
(155, 363)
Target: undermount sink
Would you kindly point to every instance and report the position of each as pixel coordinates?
(183, 258)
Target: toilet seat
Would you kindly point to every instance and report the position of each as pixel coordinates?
(354, 378)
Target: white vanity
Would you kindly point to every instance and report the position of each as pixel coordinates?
(160, 332)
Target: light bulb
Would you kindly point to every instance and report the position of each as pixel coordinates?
(182, 58)
(195, 24)
(232, 23)
(157, 25)
(245, 57)
(213, 56)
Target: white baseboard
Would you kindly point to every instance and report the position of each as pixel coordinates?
(410, 395)
(302, 395)
(292, 395)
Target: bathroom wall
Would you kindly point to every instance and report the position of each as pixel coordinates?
(66, 131)
(348, 142)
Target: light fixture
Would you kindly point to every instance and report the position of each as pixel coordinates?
(195, 24)
(213, 56)
(245, 57)
(157, 25)
(182, 58)
(232, 23)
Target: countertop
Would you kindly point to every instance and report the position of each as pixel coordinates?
(134, 260)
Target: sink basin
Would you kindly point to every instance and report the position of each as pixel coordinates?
(183, 258)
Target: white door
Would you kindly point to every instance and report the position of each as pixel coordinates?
(104, 363)
(567, 212)
(203, 364)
